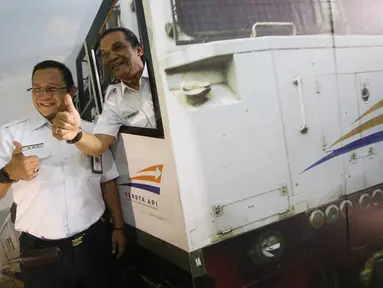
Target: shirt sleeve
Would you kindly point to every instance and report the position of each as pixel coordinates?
(6, 147)
(109, 122)
(109, 167)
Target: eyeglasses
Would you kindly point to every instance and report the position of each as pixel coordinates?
(50, 90)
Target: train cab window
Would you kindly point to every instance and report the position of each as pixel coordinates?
(122, 69)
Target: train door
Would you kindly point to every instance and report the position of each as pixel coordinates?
(147, 184)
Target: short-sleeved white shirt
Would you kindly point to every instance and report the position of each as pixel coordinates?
(65, 198)
(125, 106)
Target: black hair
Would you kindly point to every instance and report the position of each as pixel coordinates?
(67, 75)
(129, 35)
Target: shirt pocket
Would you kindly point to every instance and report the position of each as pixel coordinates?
(43, 153)
(47, 166)
(27, 190)
(134, 117)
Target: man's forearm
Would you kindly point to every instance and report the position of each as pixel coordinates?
(94, 145)
(112, 201)
(4, 189)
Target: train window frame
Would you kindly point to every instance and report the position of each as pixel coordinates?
(92, 42)
(157, 132)
(148, 132)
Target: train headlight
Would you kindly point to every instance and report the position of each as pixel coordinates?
(317, 218)
(332, 213)
(377, 197)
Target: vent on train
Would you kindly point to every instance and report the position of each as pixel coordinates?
(377, 197)
(365, 201)
(346, 208)
(332, 213)
(317, 219)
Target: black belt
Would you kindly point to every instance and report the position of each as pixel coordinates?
(38, 252)
(73, 241)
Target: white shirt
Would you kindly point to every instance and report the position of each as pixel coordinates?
(125, 106)
(65, 198)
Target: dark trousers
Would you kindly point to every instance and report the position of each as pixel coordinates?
(86, 263)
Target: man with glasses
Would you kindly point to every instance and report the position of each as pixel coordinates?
(128, 103)
(58, 193)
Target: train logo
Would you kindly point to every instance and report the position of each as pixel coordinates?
(148, 179)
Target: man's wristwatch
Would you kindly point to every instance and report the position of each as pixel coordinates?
(4, 177)
(77, 138)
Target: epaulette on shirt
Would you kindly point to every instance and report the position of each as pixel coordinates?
(111, 89)
(13, 123)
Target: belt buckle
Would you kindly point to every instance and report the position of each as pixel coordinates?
(78, 240)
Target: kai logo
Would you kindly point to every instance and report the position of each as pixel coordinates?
(359, 143)
(148, 179)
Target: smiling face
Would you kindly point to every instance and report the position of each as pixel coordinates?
(123, 60)
(51, 102)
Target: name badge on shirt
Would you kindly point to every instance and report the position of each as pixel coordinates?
(97, 164)
(33, 146)
(131, 115)
(37, 149)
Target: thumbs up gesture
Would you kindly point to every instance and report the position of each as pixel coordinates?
(21, 167)
(18, 148)
(66, 125)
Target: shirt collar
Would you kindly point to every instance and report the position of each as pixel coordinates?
(126, 87)
(37, 121)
